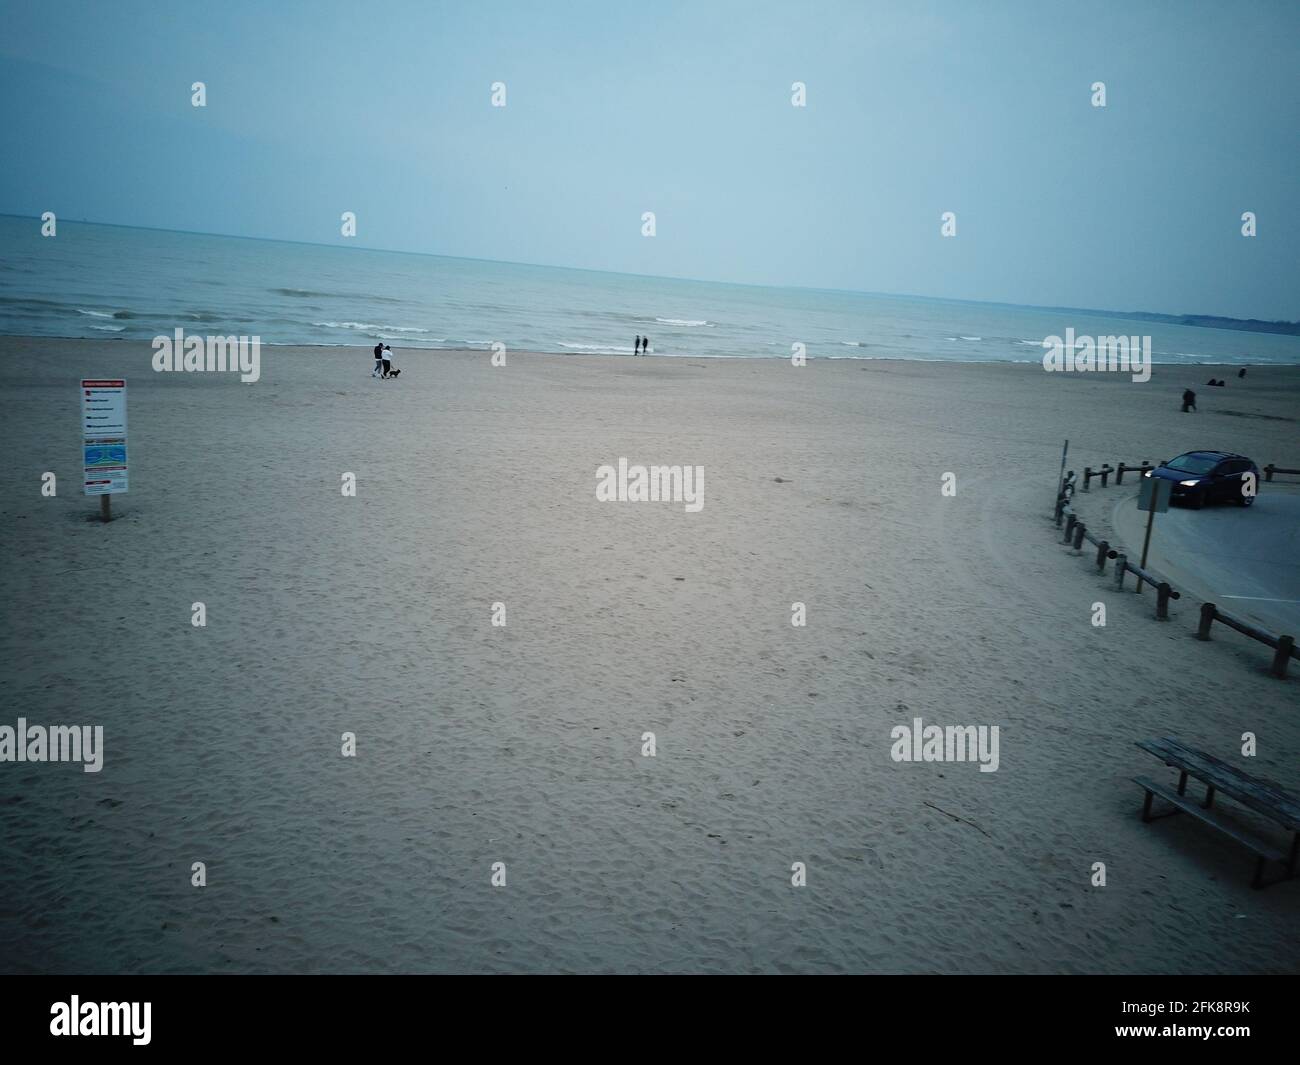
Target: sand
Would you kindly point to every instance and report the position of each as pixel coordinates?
(522, 744)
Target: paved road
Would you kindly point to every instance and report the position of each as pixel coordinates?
(1246, 560)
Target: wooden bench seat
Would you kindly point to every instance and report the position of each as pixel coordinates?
(1263, 796)
(1264, 851)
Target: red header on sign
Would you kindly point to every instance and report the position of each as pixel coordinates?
(102, 384)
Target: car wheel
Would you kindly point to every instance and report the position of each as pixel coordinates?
(1196, 500)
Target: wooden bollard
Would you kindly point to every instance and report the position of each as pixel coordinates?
(1070, 523)
(1268, 472)
(1119, 474)
(1087, 478)
(1207, 619)
(1103, 549)
(1059, 516)
(1121, 563)
(1079, 530)
(1105, 472)
(1162, 601)
(1285, 644)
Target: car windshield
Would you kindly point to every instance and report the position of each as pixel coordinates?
(1192, 464)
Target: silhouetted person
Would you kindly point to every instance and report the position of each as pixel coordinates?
(637, 349)
(1189, 400)
(645, 345)
(1241, 372)
(379, 360)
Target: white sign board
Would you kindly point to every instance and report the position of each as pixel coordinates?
(1154, 494)
(103, 435)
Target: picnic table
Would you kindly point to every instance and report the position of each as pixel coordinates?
(1261, 796)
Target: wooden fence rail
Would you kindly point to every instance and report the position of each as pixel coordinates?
(1284, 646)
(1089, 473)
(1076, 532)
(1107, 469)
(1121, 469)
(1163, 591)
(1270, 469)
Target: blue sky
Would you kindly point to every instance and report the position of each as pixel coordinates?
(980, 108)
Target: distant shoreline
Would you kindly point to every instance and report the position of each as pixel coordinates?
(1195, 321)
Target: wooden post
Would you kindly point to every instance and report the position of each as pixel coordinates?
(1121, 564)
(1087, 478)
(105, 507)
(1070, 523)
(1207, 619)
(1268, 472)
(1103, 549)
(1060, 510)
(1105, 472)
(1119, 474)
(1284, 646)
(1079, 530)
(1162, 601)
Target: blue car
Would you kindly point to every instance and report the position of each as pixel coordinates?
(1202, 477)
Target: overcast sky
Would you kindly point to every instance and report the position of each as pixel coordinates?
(612, 109)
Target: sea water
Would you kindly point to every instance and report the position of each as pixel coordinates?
(120, 282)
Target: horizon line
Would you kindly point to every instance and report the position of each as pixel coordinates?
(1100, 311)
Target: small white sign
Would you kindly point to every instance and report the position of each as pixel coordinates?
(103, 434)
(1154, 494)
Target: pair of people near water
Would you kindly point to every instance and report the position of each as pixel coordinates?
(383, 362)
(642, 346)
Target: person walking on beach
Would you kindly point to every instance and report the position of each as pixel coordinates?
(645, 345)
(1189, 400)
(388, 362)
(636, 348)
(379, 360)
(1241, 372)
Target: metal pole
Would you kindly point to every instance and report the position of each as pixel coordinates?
(105, 508)
(1061, 479)
(1151, 520)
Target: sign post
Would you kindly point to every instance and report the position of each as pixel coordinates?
(1152, 497)
(103, 440)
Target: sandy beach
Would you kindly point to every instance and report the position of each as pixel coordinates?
(522, 743)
